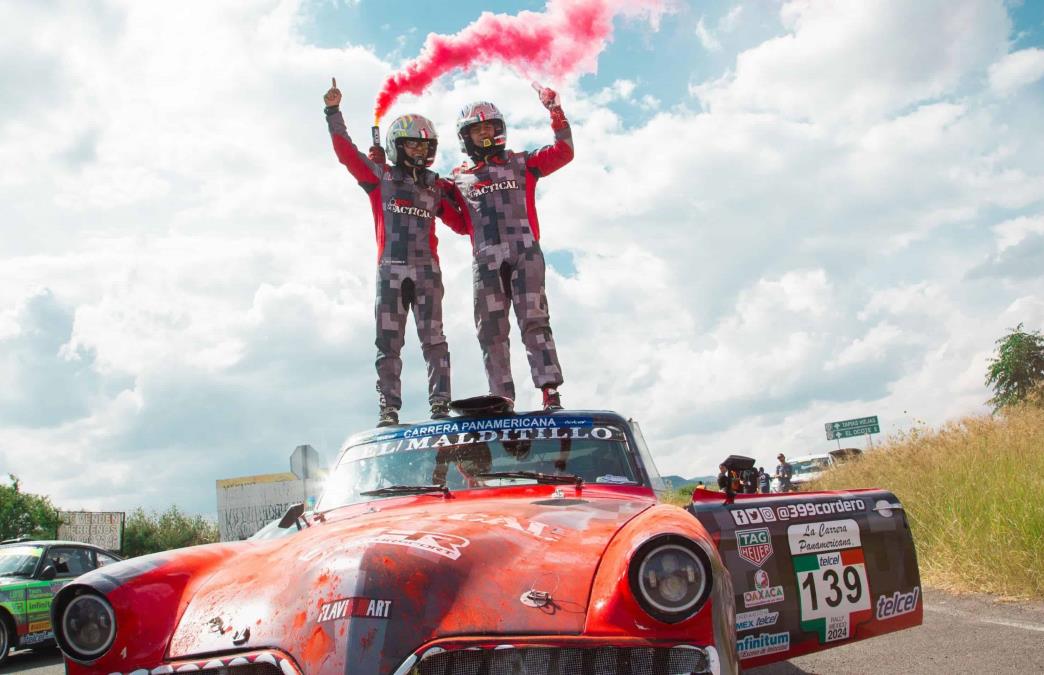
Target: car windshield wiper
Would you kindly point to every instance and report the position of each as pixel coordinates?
(405, 490)
(554, 478)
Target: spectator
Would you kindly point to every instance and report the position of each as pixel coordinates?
(724, 481)
(784, 472)
(750, 481)
(764, 481)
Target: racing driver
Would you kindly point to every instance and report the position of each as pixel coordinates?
(496, 192)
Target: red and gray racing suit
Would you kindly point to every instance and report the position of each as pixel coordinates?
(498, 200)
(404, 208)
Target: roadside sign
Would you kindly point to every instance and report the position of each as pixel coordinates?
(859, 426)
(104, 529)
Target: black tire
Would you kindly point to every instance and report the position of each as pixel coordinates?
(7, 635)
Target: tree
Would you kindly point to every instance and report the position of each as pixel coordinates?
(1017, 371)
(23, 514)
(151, 532)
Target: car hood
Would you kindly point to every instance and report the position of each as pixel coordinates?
(384, 578)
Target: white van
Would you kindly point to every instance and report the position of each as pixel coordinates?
(809, 467)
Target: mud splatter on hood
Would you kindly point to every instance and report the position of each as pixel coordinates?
(379, 584)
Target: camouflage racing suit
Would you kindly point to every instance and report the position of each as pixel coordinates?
(498, 203)
(404, 203)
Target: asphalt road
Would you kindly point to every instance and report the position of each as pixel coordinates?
(966, 634)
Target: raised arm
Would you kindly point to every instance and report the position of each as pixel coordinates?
(365, 170)
(551, 158)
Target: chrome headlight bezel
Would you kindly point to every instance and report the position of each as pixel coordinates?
(649, 557)
(64, 633)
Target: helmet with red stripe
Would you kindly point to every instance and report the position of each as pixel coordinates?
(473, 113)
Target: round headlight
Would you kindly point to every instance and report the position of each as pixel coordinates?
(670, 577)
(88, 626)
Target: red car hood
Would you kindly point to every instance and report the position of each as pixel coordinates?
(381, 583)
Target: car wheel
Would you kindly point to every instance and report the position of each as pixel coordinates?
(6, 635)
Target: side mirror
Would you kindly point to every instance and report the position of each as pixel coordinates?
(290, 517)
(48, 573)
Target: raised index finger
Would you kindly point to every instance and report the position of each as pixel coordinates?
(334, 80)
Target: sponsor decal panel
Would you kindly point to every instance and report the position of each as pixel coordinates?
(750, 646)
(366, 608)
(889, 606)
(758, 618)
(766, 514)
(764, 592)
(42, 625)
(754, 546)
(832, 583)
(445, 545)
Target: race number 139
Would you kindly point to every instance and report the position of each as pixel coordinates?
(832, 587)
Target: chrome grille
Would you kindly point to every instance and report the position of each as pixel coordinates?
(567, 661)
(244, 669)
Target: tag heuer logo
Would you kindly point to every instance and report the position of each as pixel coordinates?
(754, 546)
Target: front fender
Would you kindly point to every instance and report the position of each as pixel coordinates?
(614, 611)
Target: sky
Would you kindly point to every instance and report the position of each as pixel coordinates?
(780, 214)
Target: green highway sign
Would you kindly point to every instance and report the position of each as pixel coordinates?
(859, 426)
(848, 433)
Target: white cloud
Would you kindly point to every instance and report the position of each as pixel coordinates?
(1016, 70)
(842, 229)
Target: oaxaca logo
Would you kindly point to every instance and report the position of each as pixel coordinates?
(764, 592)
(766, 643)
(485, 187)
(405, 207)
(754, 546)
(897, 603)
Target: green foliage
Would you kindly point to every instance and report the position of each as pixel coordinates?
(1017, 371)
(23, 514)
(145, 533)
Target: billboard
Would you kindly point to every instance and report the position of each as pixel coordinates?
(101, 528)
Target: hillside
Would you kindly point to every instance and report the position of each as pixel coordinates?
(974, 494)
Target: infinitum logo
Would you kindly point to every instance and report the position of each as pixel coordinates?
(766, 643)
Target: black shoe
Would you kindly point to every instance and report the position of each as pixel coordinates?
(552, 400)
(440, 410)
(389, 417)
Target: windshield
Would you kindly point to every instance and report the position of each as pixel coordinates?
(19, 561)
(811, 465)
(459, 454)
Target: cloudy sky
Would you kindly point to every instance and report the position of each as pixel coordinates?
(780, 214)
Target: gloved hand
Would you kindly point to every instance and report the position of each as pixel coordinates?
(332, 97)
(377, 155)
(549, 98)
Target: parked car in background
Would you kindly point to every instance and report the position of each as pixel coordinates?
(809, 467)
(31, 572)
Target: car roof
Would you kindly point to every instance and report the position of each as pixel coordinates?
(823, 455)
(52, 542)
(380, 433)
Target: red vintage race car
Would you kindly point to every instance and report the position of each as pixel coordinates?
(506, 543)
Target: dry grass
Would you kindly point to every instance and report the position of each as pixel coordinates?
(974, 495)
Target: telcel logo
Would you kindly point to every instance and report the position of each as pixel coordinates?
(898, 603)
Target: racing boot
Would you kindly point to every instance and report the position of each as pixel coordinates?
(552, 400)
(440, 410)
(389, 416)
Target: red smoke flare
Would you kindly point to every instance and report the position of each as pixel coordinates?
(563, 40)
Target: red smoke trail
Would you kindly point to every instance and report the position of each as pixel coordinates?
(563, 40)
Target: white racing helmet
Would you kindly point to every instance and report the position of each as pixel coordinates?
(411, 127)
(481, 111)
